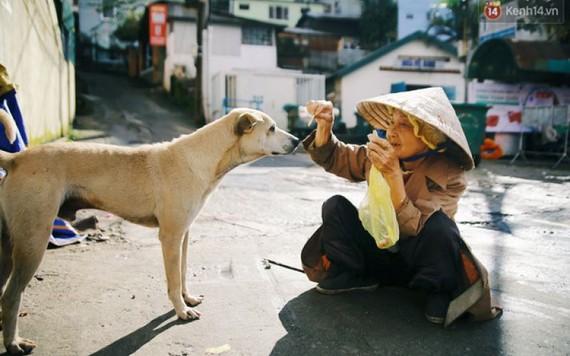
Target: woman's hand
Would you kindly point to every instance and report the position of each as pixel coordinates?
(323, 114)
(382, 156)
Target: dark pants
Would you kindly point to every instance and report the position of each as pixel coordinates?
(429, 261)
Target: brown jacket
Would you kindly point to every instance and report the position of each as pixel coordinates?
(436, 184)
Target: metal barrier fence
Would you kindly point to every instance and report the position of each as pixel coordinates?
(556, 116)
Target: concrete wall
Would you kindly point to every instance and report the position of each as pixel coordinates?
(223, 51)
(31, 50)
(275, 88)
(371, 80)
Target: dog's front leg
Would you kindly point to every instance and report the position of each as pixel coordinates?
(172, 254)
(188, 298)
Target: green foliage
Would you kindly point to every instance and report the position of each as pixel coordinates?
(465, 20)
(127, 14)
(128, 29)
(379, 22)
(554, 31)
(107, 6)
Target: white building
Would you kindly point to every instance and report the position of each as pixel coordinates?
(414, 62)
(414, 15)
(288, 12)
(239, 67)
(278, 12)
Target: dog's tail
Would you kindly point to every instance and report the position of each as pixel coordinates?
(9, 125)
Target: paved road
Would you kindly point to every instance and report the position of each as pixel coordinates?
(109, 297)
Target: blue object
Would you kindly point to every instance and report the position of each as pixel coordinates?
(427, 153)
(9, 103)
(381, 133)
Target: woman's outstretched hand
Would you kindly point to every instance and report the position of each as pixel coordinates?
(323, 114)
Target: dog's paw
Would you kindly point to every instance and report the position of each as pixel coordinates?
(21, 347)
(189, 314)
(192, 301)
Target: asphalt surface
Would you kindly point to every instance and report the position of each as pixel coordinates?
(107, 296)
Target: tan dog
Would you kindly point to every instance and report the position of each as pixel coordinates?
(160, 185)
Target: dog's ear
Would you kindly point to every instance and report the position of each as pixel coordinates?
(246, 122)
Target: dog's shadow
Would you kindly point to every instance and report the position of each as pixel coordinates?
(389, 321)
(129, 344)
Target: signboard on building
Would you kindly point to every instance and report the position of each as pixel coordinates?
(157, 24)
(509, 100)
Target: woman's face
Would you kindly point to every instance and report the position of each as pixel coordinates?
(401, 136)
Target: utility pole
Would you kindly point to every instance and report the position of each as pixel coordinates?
(202, 7)
(465, 45)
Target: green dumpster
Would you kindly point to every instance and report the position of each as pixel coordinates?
(292, 116)
(473, 119)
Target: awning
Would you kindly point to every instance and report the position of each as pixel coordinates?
(512, 61)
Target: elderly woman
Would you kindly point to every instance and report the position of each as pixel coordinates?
(423, 159)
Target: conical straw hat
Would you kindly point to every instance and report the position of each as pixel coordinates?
(430, 105)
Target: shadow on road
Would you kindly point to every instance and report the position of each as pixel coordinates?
(389, 321)
(129, 344)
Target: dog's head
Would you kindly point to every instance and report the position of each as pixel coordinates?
(259, 135)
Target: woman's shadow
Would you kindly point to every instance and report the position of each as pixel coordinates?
(389, 321)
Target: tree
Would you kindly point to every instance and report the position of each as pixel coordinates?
(128, 30)
(464, 22)
(109, 6)
(459, 22)
(379, 23)
(556, 27)
(127, 14)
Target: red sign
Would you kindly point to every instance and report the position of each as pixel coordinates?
(157, 24)
(492, 10)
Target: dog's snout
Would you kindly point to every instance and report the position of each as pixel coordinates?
(295, 141)
(292, 146)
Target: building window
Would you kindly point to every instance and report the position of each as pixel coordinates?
(243, 6)
(279, 12)
(256, 35)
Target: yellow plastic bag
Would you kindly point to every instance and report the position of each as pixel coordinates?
(377, 213)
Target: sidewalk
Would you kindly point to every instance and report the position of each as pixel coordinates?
(109, 298)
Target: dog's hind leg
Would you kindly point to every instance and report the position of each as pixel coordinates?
(171, 241)
(5, 259)
(188, 299)
(26, 260)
